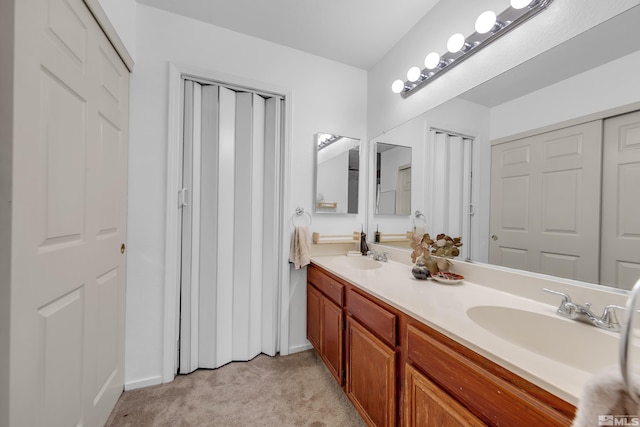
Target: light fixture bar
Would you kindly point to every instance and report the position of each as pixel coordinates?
(326, 139)
(505, 22)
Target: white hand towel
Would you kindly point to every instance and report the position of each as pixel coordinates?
(605, 398)
(299, 254)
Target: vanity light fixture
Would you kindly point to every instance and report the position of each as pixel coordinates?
(413, 74)
(457, 42)
(488, 26)
(326, 139)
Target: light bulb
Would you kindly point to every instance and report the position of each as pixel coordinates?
(455, 43)
(413, 74)
(520, 4)
(397, 86)
(485, 22)
(432, 60)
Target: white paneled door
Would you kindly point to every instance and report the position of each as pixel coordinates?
(545, 190)
(230, 217)
(620, 259)
(69, 218)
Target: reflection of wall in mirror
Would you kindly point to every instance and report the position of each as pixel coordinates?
(333, 178)
(390, 163)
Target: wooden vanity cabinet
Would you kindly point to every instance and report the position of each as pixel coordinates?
(426, 404)
(399, 371)
(325, 319)
(480, 388)
(371, 360)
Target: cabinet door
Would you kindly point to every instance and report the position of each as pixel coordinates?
(332, 319)
(426, 404)
(314, 303)
(371, 376)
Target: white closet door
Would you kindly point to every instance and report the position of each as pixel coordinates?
(543, 192)
(449, 199)
(620, 258)
(438, 200)
(188, 355)
(69, 218)
(272, 298)
(208, 193)
(229, 261)
(247, 262)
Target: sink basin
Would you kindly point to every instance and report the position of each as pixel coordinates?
(360, 263)
(569, 342)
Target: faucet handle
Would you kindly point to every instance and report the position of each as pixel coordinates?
(567, 308)
(565, 298)
(609, 315)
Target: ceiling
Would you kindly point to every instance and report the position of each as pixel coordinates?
(353, 32)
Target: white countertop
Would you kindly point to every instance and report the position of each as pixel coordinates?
(444, 308)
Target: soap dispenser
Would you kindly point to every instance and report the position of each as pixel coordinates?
(364, 248)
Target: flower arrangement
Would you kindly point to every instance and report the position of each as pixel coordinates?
(443, 246)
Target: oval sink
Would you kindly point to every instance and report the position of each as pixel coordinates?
(569, 342)
(360, 263)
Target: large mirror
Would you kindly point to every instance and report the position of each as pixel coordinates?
(337, 174)
(585, 79)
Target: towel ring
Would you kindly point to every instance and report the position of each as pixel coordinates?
(625, 341)
(419, 216)
(299, 212)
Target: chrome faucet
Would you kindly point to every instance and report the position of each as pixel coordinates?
(378, 256)
(571, 310)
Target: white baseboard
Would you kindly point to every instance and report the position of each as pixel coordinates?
(132, 385)
(299, 348)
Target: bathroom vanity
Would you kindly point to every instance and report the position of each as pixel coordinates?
(387, 344)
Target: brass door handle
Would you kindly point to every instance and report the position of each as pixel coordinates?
(123, 248)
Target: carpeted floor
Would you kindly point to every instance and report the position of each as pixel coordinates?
(294, 390)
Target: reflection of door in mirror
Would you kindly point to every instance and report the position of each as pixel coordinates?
(545, 198)
(620, 241)
(543, 192)
(448, 208)
(403, 190)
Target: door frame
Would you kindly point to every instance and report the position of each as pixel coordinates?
(173, 218)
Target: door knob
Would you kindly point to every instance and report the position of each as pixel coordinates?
(494, 237)
(122, 248)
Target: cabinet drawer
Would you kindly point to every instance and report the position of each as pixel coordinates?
(380, 321)
(333, 289)
(493, 399)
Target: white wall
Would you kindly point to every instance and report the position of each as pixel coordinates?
(333, 181)
(122, 14)
(562, 20)
(578, 96)
(326, 96)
